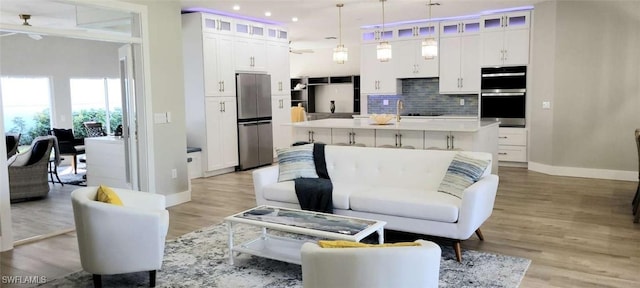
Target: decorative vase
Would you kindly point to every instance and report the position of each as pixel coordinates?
(332, 107)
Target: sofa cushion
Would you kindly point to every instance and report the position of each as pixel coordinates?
(462, 172)
(285, 192)
(296, 162)
(411, 203)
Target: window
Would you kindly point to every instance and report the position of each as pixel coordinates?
(96, 100)
(26, 103)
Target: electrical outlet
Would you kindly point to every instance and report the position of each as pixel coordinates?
(385, 102)
(461, 102)
(546, 105)
(174, 173)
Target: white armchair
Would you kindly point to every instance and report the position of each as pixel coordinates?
(120, 239)
(408, 266)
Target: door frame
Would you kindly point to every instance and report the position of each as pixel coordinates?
(145, 123)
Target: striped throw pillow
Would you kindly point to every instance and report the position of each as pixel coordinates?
(463, 171)
(296, 162)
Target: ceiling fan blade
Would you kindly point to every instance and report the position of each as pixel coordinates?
(300, 51)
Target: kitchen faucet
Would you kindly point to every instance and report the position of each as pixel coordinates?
(399, 107)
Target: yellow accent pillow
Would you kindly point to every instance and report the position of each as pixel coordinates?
(351, 244)
(107, 195)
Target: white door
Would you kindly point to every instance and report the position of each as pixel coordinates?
(242, 54)
(129, 115)
(341, 136)
(229, 132)
(364, 136)
(492, 48)
(470, 64)
(413, 139)
(436, 140)
(516, 46)
(370, 72)
(281, 114)
(226, 72)
(405, 60)
(213, 124)
(212, 84)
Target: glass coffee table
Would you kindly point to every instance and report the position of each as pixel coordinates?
(302, 222)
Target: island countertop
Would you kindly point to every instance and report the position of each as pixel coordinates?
(453, 125)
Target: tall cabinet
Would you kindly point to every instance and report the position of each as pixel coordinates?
(459, 53)
(505, 39)
(278, 66)
(210, 92)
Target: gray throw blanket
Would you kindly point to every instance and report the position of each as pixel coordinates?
(315, 194)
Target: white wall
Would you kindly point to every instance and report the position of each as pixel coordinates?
(320, 63)
(167, 91)
(59, 59)
(594, 73)
(341, 93)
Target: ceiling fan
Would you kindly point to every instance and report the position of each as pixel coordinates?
(299, 51)
(24, 17)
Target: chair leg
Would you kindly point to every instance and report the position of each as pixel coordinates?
(97, 281)
(55, 172)
(636, 200)
(458, 249)
(152, 278)
(479, 233)
(74, 164)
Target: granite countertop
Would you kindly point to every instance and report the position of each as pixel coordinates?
(453, 125)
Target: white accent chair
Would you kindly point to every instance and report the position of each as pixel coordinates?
(120, 239)
(408, 266)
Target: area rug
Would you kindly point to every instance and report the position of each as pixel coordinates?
(200, 259)
(73, 179)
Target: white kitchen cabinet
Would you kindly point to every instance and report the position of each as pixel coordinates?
(376, 35)
(221, 133)
(512, 144)
(219, 78)
(278, 34)
(445, 140)
(409, 62)
(366, 137)
(278, 68)
(212, 23)
(419, 31)
(376, 77)
(281, 114)
(208, 59)
(250, 54)
(505, 39)
(313, 135)
(250, 29)
(459, 64)
(400, 138)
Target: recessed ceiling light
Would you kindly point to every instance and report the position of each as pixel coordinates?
(294, 19)
(236, 7)
(268, 14)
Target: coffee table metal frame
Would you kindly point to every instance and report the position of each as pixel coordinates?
(288, 249)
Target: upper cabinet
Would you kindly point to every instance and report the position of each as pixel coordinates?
(459, 57)
(277, 34)
(376, 77)
(277, 55)
(219, 79)
(216, 24)
(505, 39)
(377, 35)
(250, 29)
(409, 62)
(250, 54)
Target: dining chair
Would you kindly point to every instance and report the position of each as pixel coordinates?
(69, 145)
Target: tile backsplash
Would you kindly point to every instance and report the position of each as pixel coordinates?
(420, 96)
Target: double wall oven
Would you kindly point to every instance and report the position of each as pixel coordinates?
(503, 95)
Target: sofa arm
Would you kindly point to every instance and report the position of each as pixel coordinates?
(264, 177)
(477, 205)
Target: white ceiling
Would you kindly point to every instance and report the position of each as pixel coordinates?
(317, 18)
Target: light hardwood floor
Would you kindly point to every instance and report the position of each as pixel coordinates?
(578, 232)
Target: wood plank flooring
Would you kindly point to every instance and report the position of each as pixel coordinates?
(578, 232)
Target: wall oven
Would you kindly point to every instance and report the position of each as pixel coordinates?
(503, 95)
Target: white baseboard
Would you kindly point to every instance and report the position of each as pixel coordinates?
(219, 172)
(178, 198)
(584, 172)
(512, 164)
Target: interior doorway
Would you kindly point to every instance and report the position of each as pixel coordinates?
(135, 17)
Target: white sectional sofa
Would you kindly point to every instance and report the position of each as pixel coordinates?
(399, 186)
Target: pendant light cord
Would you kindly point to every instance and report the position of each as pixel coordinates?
(381, 36)
(340, 23)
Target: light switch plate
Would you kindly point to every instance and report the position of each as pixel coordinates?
(546, 105)
(461, 102)
(385, 102)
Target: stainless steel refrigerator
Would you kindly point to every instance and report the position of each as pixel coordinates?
(255, 134)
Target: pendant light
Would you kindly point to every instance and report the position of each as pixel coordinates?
(430, 44)
(340, 53)
(384, 48)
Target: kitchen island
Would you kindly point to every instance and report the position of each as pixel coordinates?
(440, 133)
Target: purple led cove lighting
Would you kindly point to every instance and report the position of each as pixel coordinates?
(233, 15)
(399, 23)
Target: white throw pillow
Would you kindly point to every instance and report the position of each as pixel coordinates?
(296, 162)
